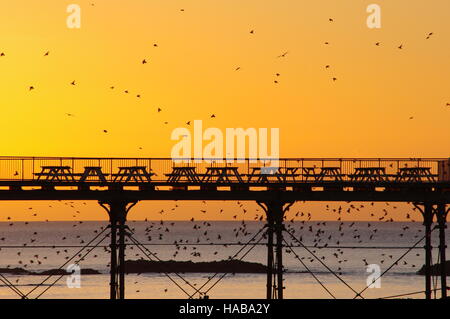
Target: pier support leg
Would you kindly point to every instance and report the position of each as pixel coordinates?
(270, 227)
(117, 210)
(279, 250)
(122, 259)
(441, 216)
(428, 220)
(113, 262)
(275, 214)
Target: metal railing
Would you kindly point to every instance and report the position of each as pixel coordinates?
(29, 168)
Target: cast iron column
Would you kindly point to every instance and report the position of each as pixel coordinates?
(117, 210)
(441, 215)
(428, 220)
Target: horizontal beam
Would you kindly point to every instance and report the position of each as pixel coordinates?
(325, 195)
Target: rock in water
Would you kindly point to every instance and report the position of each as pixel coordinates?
(436, 269)
(223, 266)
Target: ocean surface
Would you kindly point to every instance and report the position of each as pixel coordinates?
(344, 247)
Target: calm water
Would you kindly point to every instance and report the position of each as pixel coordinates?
(352, 246)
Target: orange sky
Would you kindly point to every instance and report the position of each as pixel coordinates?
(191, 74)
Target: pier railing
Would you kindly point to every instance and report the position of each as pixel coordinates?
(289, 169)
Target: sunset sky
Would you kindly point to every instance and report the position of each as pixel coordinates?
(191, 74)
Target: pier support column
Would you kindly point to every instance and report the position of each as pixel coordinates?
(427, 214)
(275, 214)
(270, 264)
(117, 211)
(279, 227)
(441, 216)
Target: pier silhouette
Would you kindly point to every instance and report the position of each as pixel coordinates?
(118, 184)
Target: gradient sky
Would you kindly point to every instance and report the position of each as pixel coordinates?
(191, 75)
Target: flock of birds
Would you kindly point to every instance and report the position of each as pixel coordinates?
(199, 240)
(238, 68)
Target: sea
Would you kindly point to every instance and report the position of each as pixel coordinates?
(343, 257)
